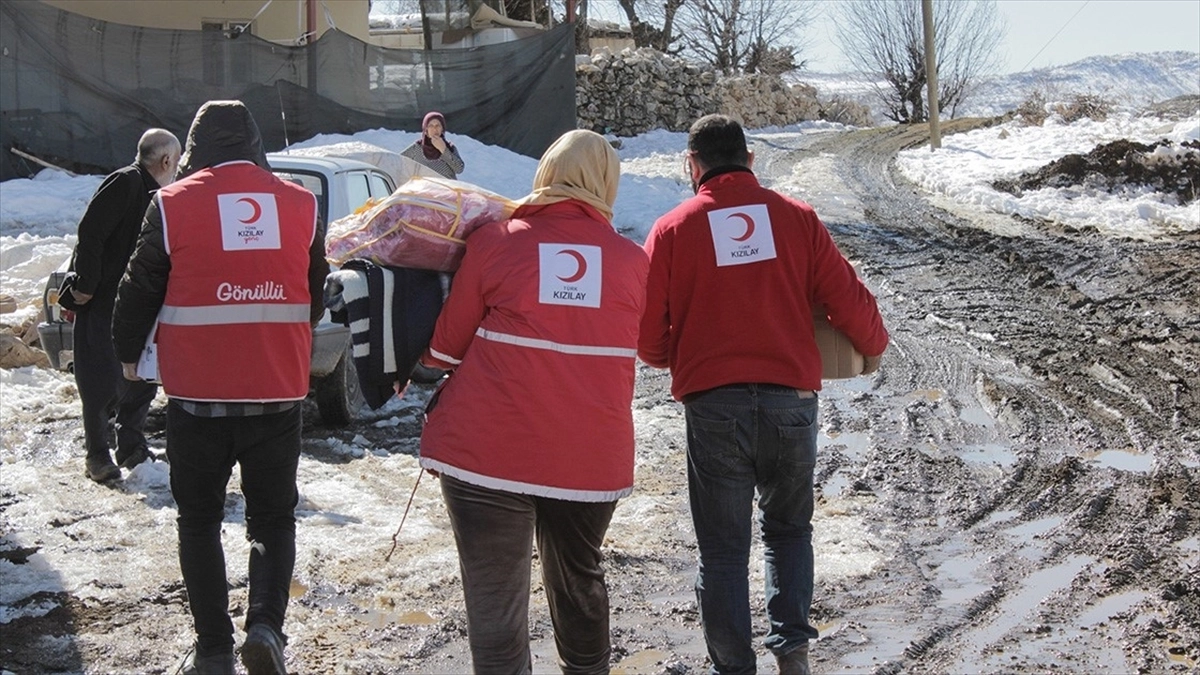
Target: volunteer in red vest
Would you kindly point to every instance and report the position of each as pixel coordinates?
(532, 434)
(734, 274)
(227, 281)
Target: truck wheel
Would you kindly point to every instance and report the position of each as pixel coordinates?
(339, 396)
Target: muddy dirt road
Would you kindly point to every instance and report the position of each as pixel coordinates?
(1018, 489)
(1034, 438)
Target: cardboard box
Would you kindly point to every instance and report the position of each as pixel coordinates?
(839, 358)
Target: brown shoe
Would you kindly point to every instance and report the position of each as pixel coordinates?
(139, 455)
(794, 662)
(102, 469)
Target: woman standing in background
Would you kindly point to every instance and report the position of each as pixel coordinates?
(433, 150)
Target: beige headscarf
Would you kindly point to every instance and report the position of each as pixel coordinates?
(579, 165)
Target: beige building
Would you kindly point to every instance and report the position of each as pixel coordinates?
(285, 21)
(282, 21)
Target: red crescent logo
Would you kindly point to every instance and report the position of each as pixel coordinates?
(254, 205)
(749, 226)
(580, 261)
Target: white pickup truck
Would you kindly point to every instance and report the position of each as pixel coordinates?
(341, 186)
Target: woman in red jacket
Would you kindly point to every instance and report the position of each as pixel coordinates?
(533, 432)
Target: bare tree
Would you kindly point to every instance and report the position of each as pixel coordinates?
(583, 31)
(886, 37)
(645, 17)
(529, 10)
(738, 35)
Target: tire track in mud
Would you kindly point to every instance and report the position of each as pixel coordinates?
(975, 459)
(1075, 346)
(1120, 311)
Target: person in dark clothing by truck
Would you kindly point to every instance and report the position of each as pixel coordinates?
(107, 233)
(229, 273)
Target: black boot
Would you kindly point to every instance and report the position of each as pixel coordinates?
(101, 469)
(219, 663)
(262, 653)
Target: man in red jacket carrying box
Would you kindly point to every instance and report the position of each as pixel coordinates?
(734, 274)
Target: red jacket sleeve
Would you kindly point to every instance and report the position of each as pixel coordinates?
(850, 305)
(463, 311)
(654, 334)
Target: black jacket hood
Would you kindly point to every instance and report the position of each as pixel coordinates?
(223, 131)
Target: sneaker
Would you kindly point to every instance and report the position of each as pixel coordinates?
(794, 662)
(141, 454)
(215, 664)
(262, 653)
(101, 469)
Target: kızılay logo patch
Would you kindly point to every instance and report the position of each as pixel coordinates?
(569, 274)
(742, 235)
(249, 221)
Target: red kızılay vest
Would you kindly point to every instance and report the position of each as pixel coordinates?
(235, 322)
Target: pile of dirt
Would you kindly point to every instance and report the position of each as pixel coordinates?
(1164, 166)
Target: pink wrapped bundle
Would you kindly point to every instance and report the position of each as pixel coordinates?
(423, 224)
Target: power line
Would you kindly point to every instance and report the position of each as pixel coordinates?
(1039, 52)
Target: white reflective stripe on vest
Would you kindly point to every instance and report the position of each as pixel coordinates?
(584, 350)
(444, 357)
(216, 315)
(522, 488)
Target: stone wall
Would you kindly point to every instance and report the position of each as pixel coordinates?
(635, 91)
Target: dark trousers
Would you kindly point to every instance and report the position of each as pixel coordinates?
(494, 531)
(741, 439)
(202, 452)
(103, 391)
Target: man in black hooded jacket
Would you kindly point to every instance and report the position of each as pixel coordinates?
(228, 276)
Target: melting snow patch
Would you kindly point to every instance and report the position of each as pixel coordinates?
(32, 610)
(843, 546)
(149, 475)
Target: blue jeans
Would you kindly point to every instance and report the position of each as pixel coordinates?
(742, 437)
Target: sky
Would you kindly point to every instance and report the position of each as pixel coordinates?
(1041, 33)
(1044, 33)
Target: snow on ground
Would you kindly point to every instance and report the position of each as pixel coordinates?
(966, 165)
(38, 215)
(37, 223)
(1128, 81)
(643, 193)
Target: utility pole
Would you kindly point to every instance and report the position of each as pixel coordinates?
(310, 55)
(935, 134)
